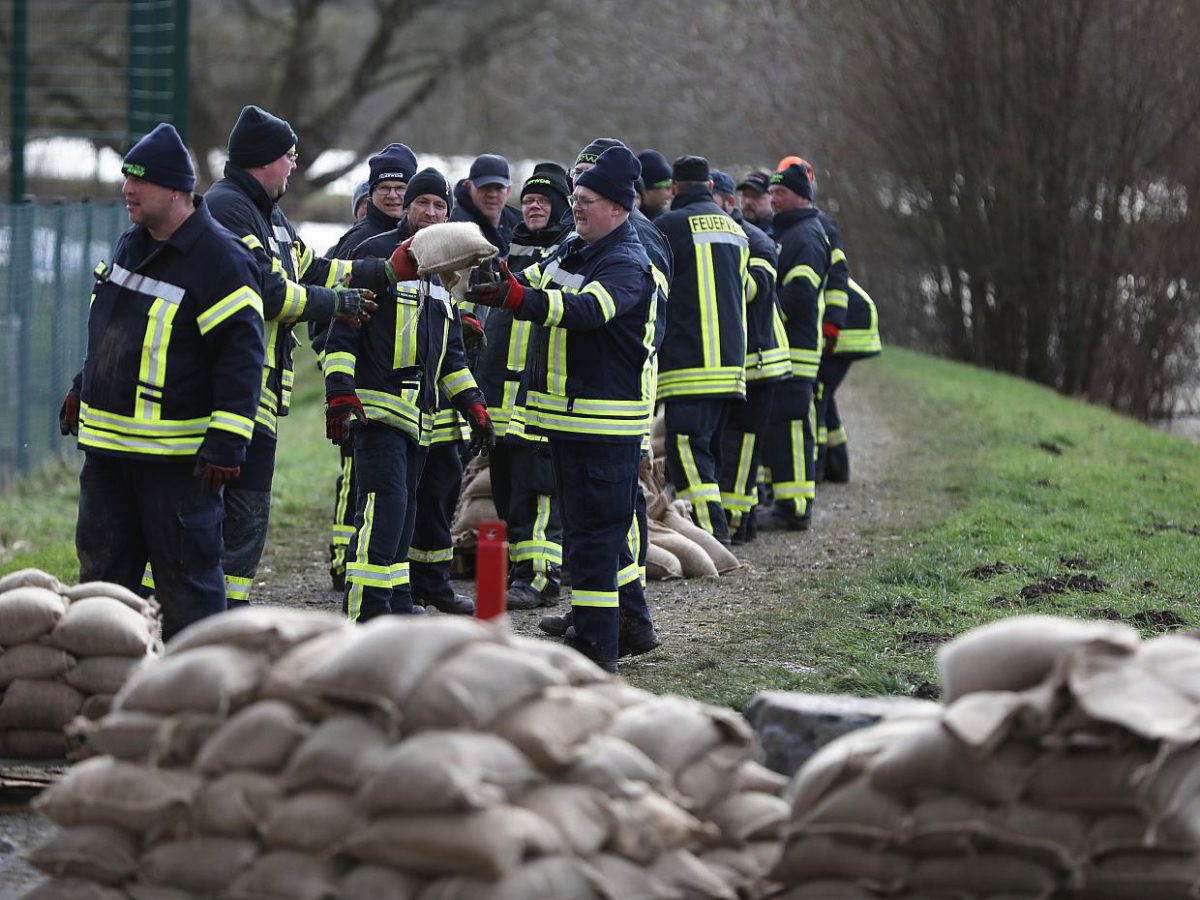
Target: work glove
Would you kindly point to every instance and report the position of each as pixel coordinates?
(483, 435)
(492, 284)
(214, 477)
(831, 332)
(353, 305)
(402, 266)
(474, 340)
(342, 413)
(68, 414)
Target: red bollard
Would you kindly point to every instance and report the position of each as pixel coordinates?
(491, 571)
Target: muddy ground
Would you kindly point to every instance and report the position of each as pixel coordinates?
(853, 523)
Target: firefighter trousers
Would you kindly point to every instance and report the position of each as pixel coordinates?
(527, 500)
(432, 548)
(694, 426)
(791, 446)
(742, 450)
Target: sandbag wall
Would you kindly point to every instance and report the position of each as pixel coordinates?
(66, 652)
(1066, 763)
(283, 754)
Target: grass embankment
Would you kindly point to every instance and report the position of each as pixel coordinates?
(1006, 498)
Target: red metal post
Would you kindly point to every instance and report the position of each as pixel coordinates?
(491, 570)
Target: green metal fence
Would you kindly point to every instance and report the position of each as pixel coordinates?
(47, 255)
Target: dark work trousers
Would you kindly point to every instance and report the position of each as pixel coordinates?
(344, 507)
(631, 577)
(132, 512)
(742, 444)
(247, 516)
(388, 467)
(694, 426)
(527, 499)
(432, 548)
(831, 436)
(597, 489)
(791, 447)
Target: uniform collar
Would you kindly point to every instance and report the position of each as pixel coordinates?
(690, 196)
(792, 216)
(251, 187)
(379, 218)
(193, 226)
(619, 235)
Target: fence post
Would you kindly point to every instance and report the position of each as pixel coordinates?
(19, 291)
(57, 311)
(18, 100)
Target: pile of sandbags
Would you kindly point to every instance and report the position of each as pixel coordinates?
(678, 547)
(284, 754)
(65, 652)
(1066, 762)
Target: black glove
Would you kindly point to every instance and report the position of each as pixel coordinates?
(483, 435)
(354, 304)
(492, 284)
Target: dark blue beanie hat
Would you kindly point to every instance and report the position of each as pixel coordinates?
(656, 171)
(259, 138)
(592, 151)
(613, 175)
(722, 183)
(161, 158)
(795, 179)
(393, 162)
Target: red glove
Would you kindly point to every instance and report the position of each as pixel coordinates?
(342, 413)
(492, 284)
(403, 265)
(831, 332)
(68, 414)
(483, 435)
(473, 336)
(214, 477)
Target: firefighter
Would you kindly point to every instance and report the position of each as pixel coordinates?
(767, 364)
(482, 198)
(589, 394)
(804, 261)
(390, 171)
(297, 285)
(656, 183)
(165, 404)
(383, 384)
(754, 191)
(703, 356)
(859, 339)
(521, 468)
(358, 203)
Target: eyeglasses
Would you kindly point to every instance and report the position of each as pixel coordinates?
(390, 189)
(293, 156)
(535, 200)
(585, 202)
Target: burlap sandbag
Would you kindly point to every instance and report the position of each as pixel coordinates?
(34, 744)
(379, 883)
(582, 815)
(260, 736)
(649, 824)
(234, 805)
(754, 776)
(826, 889)
(979, 873)
(815, 858)
(628, 881)
(1175, 658)
(100, 852)
(551, 728)
(449, 247)
(710, 779)
(140, 890)
(312, 821)
(723, 559)
(675, 731)
(287, 875)
(855, 810)
(39, 705)
(471, 688)
(693, 561)
(269, 630)
(1134, 875)
(749, 815)
(285, 679)
(383, 661)
(658, 436)
(30, 578)
(446, 771)
(102, 674)
(1095, 781)
(744, 869)
(1176, 833)
(73, 889)
(34, 662)
(152, 738)
(323, 760)
(96, 706)
(549, 878)
(470, 513)
(1016, 653)
(487, 843)
(578, 669)
(201, 865)
(214, 680)
(617, 768)
(103, 790)
(102, 626)
(28, 613)
(116, 591)
(661, 563)
(479, 485)
(683, 870)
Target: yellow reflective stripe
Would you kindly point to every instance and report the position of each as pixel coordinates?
(697, 491)
(304, 259)
(229, 305)
(295, 299)
(743, 496)
(628, 575)
(430, 557)
(837, 437)
(533, 274)
(717, 380)
(607, 306)
(749, 288)
(238, 588)
(802, 272)
(559, 403)
(134, 425)
(580, 597)
(554, 307)
(354, 591)
(148, 577)
(837, 256)
(759, 262)
(518, 345)
(232, 422)
(837, 298)
(710, 336)
(252, 242)
(267, 419)
(340, 362)
(152, 368)
(556, 364)
(660, 280)
(587, 425)
(456, 382)
(338, 270)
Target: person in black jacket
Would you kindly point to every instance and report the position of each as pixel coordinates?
(482, 198)
(165, 404)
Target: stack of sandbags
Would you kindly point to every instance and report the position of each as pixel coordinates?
(66, 651)
(1066, 762)
(283, 754)
(678, 547)
(475, 504)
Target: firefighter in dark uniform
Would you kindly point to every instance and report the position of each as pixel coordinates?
(804, 261)
(165, 404)
(390, 171)
(589, 393)
(656, 183)
(858, 339)
(382, 387)
(703, 356)
(297, 285)
(521, 469)
(767, 363)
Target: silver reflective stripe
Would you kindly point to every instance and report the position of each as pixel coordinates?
(282, 235)
(143, 284)
(554, 275)
(719, 237)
